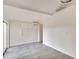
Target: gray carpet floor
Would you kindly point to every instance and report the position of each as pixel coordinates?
(34, 51)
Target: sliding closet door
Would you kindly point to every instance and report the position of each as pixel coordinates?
(22, 33)
(29, 33)
(15, 34)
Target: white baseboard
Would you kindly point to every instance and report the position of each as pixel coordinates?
(59, 50)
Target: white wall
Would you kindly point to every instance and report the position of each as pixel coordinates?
(21, 33)
(61, 38)
(60, 34)
(59, 24)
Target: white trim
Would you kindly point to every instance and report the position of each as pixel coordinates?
(59, 50)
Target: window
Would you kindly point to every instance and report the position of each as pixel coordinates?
(4, 36)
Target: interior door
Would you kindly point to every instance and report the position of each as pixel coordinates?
(4, 37)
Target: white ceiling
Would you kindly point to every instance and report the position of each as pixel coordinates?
(41, 6)
(13, 13)
(66, 16)
(38, 10)
(44, 6)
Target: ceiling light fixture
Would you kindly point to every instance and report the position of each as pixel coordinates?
(65, 1)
